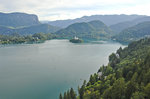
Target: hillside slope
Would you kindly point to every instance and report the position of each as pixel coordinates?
(44, 28)
(124, 25)
(94, 30)
(41, 28)
(136, 32)
(127, 76)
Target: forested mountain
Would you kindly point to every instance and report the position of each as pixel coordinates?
(123, 25)
(44, 28)
(127, 76)
(4, 30)
(94, 30)
(136, 32)
(23, 24)
(18, 19)
(107, 19)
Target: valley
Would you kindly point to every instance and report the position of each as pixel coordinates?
(59, 59)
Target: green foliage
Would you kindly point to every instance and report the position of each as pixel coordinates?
(137, 95)
(136, 32)
(118, 89)
(93, 79)
(82, 90)
(113, 60)
(17, 39)
(127, 76)
(70, 94)
(60, 96)
(147, 91)
(28, 30)
(131, 88)
(90, 30)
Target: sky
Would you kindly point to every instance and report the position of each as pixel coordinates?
(70, 9)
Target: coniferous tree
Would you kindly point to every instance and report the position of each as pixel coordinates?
(60, 96)
(72, 94)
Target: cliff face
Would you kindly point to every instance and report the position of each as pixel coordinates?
(18, 19)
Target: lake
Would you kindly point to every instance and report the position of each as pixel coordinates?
(42, 71)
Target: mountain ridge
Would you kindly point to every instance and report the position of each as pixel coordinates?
(93, 29)
(134, 33)
(17, 19)
(123, 25)
(107, 19)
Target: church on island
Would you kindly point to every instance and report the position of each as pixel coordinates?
(76, 40)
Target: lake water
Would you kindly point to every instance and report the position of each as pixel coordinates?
(42, 71)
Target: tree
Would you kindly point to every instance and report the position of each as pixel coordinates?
(118, 89)
(40, 36)
(72, 94)
(93, 79)
(60, 96)
(65, 95)
(137, 95)
(82, 90)
(119, 51)
(113, 60)
(68, 95)
(129, 75)
(147, 91)
(107, 93)
(118, 74)
(131, 88)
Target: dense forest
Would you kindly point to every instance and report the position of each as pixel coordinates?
(17, 39)
(88, 30)
(28, 30)
(134, 33)
(127, 76)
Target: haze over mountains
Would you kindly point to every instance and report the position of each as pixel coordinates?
(23, 24)
(123, 25)
(118, 27)
(133, 33)
(18, 19)
(107, 19)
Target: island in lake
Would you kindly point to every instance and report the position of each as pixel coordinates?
(76, 40)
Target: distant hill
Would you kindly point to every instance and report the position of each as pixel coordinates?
(136, 32)
(94, 30)
(44, 28)
(123, 25)
(18, 19)
(107, 19)
(4, 30)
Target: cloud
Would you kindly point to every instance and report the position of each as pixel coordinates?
(66, 9)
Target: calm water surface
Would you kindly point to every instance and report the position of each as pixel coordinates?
(42, 71)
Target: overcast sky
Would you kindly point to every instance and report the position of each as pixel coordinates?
(69, 9)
